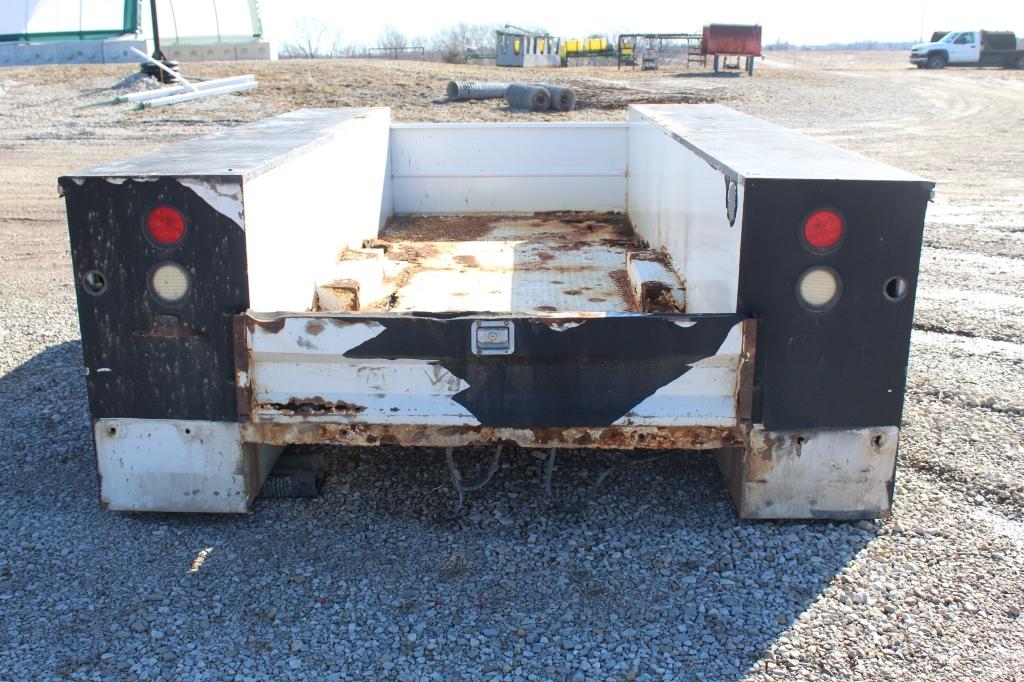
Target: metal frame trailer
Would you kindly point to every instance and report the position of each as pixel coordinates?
(207, 350)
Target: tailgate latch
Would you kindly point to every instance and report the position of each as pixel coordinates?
(493, 337)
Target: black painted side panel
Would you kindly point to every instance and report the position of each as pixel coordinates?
(588, 375)
(156, 371)
(844, 367)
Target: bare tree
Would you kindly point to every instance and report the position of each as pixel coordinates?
(451, 44)
(391, 38)
(312, 40)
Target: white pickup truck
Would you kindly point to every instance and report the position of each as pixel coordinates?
(970, 48)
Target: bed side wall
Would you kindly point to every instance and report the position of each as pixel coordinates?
(302, 214)
(508, 168)
(845, 366)
(679, 202)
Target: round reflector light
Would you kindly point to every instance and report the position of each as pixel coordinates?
(165, 225)
(170, 282)
(818, 288)
(823, 229)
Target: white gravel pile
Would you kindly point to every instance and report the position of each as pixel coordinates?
(656, 580)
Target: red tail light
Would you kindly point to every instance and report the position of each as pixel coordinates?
(823, 230)
(165, 225)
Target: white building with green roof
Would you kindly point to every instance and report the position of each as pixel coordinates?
(103, 31)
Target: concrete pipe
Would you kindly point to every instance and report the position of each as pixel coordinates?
(461, 90)
(562, 98)
(531, 97)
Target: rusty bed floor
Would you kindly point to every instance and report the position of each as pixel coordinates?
(545, 262)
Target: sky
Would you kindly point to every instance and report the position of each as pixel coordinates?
(796, 21)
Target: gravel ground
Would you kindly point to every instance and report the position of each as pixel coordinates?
(657, 579)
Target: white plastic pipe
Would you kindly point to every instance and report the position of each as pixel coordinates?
(174, 74)
(187, 96)
(177, 89)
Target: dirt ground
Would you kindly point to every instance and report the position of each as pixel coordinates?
(961, 469)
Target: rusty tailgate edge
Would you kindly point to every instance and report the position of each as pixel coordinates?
(625, 437)
(243, 377)
(745, 371)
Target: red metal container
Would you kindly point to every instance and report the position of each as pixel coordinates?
(732, 39)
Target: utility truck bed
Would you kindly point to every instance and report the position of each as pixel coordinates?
(689, 278)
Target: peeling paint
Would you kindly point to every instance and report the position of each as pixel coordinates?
(563, 326)
(223, 197)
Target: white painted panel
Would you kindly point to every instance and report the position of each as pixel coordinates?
(705, 395)
(183, 466)
(522, 194)
(305, 362)
(307, 339)
(475, 168)
(677, 202)
(302, 214)
(380, 391)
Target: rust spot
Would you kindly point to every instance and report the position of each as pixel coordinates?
(316, 406)
(317, 431)
(342, 295)
(771, 442)
(596, 300)
(468, 261)
(745, 370)
(376, 244)
(168, 325)
(546, 308)
(545, 256)
(573, 292)
(243, 361)
(314, 327)
(656, 297)
(621, 280)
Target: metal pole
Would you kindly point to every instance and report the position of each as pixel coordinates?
(157, 52)
(187, 96)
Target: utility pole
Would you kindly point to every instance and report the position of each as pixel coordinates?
(157, 52)
(154, 70)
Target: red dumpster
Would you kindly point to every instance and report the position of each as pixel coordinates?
(732, 39)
